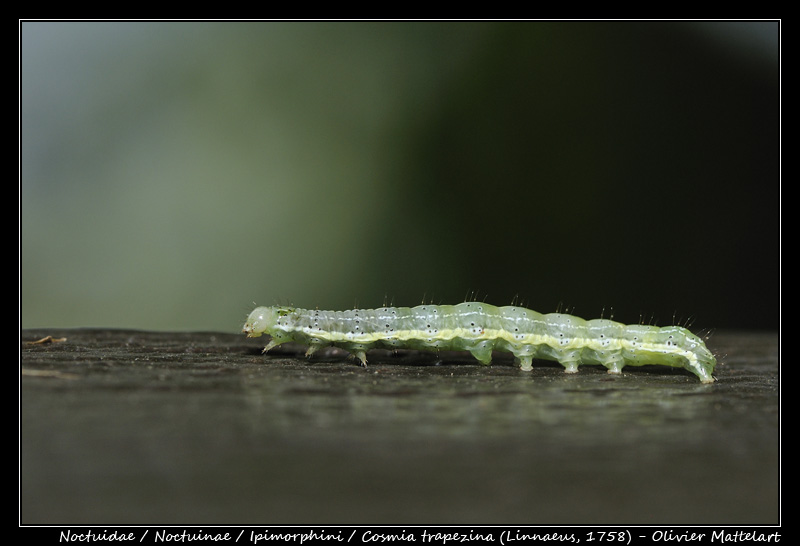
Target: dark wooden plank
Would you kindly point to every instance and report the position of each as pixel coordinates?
(123, 426)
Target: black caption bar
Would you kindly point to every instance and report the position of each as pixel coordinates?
(374, 536)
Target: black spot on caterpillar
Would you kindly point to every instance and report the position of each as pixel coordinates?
(481, 328)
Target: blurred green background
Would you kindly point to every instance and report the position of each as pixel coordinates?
(175, 174)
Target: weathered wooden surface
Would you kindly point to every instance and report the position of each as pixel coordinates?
(145, 427)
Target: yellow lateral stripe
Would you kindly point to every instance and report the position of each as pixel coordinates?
(523, 339)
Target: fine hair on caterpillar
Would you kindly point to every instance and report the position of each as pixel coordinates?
(481, 328)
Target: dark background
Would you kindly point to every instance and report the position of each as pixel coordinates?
(175, 174)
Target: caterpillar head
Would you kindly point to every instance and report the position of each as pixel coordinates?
(263, 320)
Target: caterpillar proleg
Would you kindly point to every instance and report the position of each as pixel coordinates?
(481, 328)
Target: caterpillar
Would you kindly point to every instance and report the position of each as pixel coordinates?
(481, 328)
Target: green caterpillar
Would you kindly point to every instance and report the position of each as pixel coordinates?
(480, 329)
